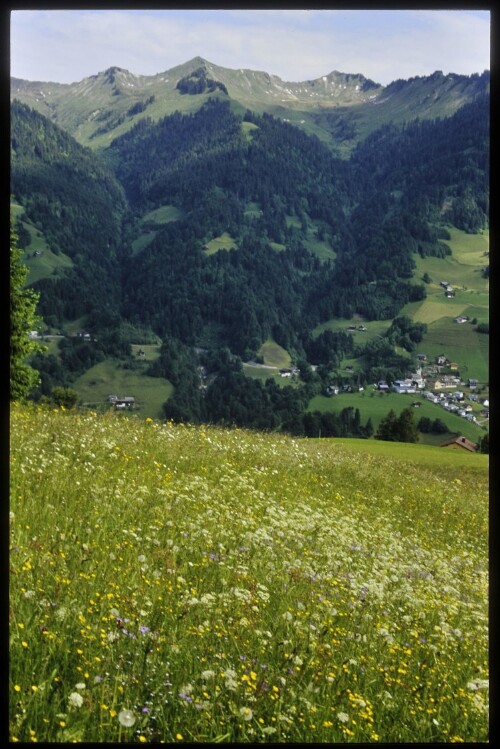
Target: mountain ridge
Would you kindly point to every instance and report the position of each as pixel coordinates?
(337, 107)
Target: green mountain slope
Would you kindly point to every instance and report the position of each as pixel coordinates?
(222, 227)
(77, 204)
(340, 108)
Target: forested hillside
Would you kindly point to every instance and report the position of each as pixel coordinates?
(267, 234)
(76, 202)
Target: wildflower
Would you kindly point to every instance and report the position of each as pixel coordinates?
(126, 718)
(478, 684)
(207, 674)
(343, 717)
(246, 713)
(80, 685)
(75, 699)
(179, 736)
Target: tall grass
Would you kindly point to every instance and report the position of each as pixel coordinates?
(172, 583)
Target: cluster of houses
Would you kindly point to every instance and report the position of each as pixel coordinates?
(289, 372)
(441, 389)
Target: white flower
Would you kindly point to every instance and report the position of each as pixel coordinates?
(81, 685)
(75, 699)
(246, 713)
(343, 717)
(207, 674)
(478, 684)
(126, 718)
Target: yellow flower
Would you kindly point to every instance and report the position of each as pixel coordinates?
(179, 736)
(17, 688)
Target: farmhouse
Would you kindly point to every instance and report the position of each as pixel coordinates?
(462, 442)
(461, 319)
(332, 390)
(127, 401)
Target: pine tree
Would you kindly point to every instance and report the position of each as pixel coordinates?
(23, 318)
(388, 428)
(407, 429)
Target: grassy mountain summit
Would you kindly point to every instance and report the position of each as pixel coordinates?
(338, 107)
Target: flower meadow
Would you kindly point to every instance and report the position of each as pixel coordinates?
(179, 584)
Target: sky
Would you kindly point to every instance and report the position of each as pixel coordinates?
(65, 46)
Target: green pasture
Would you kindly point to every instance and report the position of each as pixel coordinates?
(247, 129)
(415, 454)
(376, 405)
(319, 248)
(460, 343)
(275, 355)
(462, 269)
(151, 351)
(374, 328)
(46, 264)
(109, 377)
(163, 215)
(257, 372)
(223, 242)
(142, 241)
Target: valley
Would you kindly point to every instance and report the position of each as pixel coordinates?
(190, 243)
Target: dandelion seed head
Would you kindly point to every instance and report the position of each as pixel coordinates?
(126, 718)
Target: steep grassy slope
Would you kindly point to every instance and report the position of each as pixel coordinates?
(177, 584)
